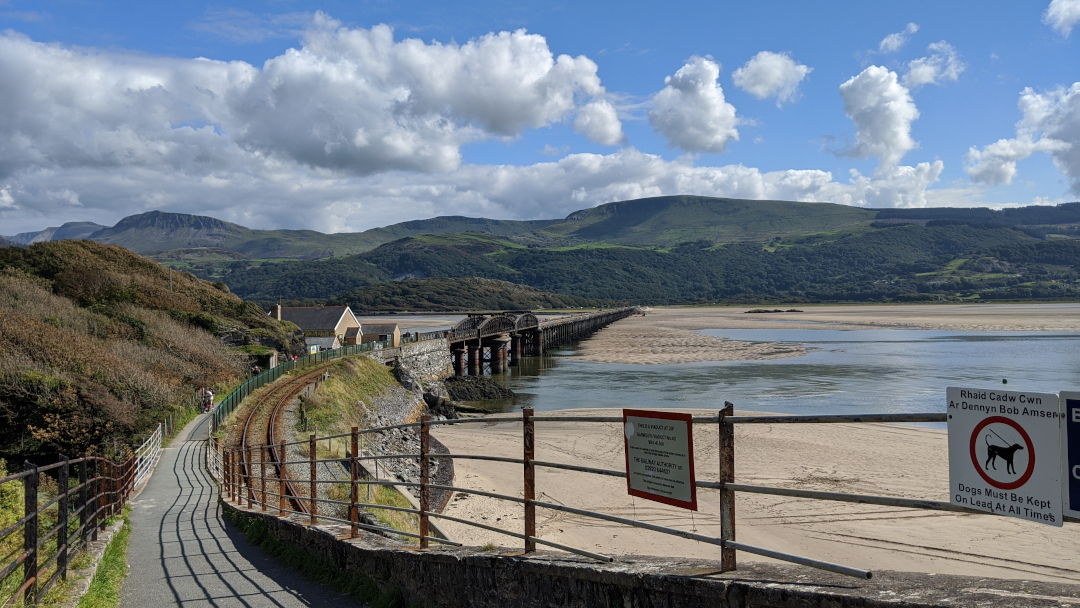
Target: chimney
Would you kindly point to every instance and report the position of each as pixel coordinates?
(277, 311)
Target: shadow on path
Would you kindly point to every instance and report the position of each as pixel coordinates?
(183, 552)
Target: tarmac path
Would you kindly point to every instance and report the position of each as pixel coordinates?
(183, 552)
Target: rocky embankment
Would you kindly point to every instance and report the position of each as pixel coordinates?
(475, 388)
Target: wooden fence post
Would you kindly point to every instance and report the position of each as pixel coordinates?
(82, 499)
(281, 479)
(314, 490)
(62, 533)
(727, 497)
(102, 469)
(93, 481)
(30, 532)
(225, 474)
(354, 490)
(425, 478)
(530, 479)
(262, 475)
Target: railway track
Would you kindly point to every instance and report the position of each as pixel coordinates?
(277, 397)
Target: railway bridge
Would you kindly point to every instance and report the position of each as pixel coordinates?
(501, 339)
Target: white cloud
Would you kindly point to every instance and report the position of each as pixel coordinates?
(1062, 15)
(893, 42)
(6, 200)
(690, 111)
(882, 110)
(243, 27)
(941, 66)
(769, 74)
(353, 101)
(599, 122)
(1051, 123)
(550, 150)
(995, 164)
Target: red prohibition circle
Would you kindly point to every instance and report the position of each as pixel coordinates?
(1023, 434)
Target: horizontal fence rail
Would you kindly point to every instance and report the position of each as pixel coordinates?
(252, 486)
(89, 491)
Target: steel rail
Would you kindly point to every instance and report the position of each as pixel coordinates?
(567, 548)
(805, 561)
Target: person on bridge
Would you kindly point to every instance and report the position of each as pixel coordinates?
(208, 403)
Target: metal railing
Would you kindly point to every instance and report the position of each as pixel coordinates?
(251, 487)
(53, 528)
(146, 455)
(231, 401)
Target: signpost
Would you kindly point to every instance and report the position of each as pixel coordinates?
(660, 457)
(1005, 453)
(1070, 452)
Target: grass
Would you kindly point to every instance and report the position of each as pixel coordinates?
(387, 496)
(313, 567)
(105, 588)
(335, 407)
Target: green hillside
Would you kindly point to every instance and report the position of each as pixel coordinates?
(439, 295)
(157, 231)
(669, 220)
(897, 262)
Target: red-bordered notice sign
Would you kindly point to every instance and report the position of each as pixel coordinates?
(660, 457)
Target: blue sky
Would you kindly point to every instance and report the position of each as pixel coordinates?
(364, 114)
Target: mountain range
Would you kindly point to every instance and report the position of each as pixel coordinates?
(674, 249)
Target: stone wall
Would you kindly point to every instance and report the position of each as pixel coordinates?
(470, 576)
(427, 360)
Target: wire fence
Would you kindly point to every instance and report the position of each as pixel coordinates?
(259, 486)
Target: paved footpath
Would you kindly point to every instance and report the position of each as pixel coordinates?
(183, 552)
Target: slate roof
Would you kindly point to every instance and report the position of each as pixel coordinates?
(314, 318)
(384, 329)
(323, 343)
(352, 332)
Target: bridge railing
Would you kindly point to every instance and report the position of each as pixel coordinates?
(65, 505)
(256, 487)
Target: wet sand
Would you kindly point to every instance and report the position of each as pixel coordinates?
(878, 459)
(670, 335)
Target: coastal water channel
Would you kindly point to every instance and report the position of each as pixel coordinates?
(845, 371)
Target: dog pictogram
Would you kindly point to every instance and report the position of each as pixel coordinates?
(1006, 452)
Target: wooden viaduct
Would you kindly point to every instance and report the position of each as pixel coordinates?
(502, 338)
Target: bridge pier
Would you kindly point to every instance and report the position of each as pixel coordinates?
(459, 361)
(475, 361)
(499, 348)
(515, 350)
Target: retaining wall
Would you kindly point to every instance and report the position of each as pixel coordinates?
(427, 360)
(471, 577)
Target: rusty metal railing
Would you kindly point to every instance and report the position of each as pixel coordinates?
(252, 488)
(53, 530)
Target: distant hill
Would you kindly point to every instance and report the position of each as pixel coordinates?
(456, 294)
(668, 220)
(893, 262)
(158, 231)
(70, 230)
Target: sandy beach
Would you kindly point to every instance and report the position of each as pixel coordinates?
(890, 460)
(670, 335)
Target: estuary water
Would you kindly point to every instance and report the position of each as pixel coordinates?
(845, 372)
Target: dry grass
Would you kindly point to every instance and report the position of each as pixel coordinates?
(86, 371)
